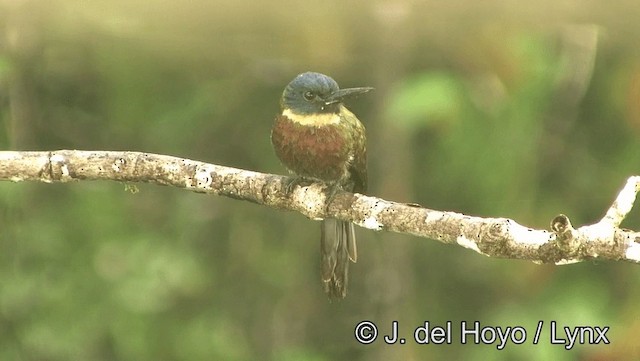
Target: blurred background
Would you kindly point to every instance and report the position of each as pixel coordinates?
(495, 108)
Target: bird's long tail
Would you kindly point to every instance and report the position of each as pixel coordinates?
(337, 247)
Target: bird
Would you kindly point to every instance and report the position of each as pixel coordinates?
(318, 139)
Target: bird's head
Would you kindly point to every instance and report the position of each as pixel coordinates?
(313, 93)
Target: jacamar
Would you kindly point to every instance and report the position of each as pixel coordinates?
(317, 138)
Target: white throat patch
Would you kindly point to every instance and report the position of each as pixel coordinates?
(312, 119)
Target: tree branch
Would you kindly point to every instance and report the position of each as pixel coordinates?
(494, 237)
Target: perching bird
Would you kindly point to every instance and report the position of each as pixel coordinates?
(317, 138)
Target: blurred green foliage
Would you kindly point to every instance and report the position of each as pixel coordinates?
(484, 108)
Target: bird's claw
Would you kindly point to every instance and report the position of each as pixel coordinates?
(293, 182)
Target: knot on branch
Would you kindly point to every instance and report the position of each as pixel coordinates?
(564, 231)
(58, 170)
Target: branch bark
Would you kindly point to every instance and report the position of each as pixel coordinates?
(494, 237)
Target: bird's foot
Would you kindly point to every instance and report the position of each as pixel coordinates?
(293, 182)
(333, 189)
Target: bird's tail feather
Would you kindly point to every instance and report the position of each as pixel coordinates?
(337, 247)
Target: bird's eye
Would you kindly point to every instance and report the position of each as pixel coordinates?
(308, 95)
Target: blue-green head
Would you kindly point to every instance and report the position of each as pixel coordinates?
(312, 93)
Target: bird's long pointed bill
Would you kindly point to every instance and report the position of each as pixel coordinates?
(341, 94)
